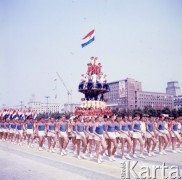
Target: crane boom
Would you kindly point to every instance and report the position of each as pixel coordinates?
(68, 92)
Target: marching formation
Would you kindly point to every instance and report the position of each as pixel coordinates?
(97, 136)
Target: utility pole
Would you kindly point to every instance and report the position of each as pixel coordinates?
(47, 97)
(21, 102)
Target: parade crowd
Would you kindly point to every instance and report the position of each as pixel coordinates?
(97, 136)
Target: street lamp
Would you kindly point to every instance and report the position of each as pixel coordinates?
(47, 97)
(21, 102)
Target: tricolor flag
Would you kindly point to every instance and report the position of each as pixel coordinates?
(90, 37)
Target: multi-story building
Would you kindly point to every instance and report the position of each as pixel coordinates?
(178, 102)
(70, 107)
(173, 88)
(128, 94)
(154, 99)
(40, 107)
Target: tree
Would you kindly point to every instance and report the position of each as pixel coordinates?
(137, 111)
(180, 111)
(174, 113)
(166, 110)
(149, 110)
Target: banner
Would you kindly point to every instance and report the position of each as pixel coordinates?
(122, 89)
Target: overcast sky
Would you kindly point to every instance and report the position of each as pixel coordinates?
(133, 38)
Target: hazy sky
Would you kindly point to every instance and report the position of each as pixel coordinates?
(141, 39)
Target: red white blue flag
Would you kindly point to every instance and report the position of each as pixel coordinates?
(89, 38)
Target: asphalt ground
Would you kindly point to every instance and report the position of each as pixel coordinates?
(20, 162)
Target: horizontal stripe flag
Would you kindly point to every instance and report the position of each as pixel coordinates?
(89, 38)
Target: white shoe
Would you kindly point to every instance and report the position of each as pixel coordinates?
(161, 153)
(128, 157)
(134, 155)
(153, 154)
(32, 145)
(110, 158)
(74, 153)
(62, 154)
(174, 151)
(40, 149)
(178, 150)
(83, 156)
(104, 154)
(99, 161)
(100, 157)
(50, 150)
(91, 156)
(149, 154)
(53, 150)
(123, 158)
(164, 152)
(79, 157)
(113, 158)
(142, 156)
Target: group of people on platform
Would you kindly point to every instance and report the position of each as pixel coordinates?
(93, 111)
(92, 103)
(94, 78)
(98, 135)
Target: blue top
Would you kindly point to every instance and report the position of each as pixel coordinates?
(125, 127)
(80, 128)
(7, 125)
(90, 129)
(74, 128)
(111, 128)
(13, 126)
(104, 127)
(175, 127)
(137, 126)
(2, 125)
(29, 126)
(20, 127)
(41, 127)
(63, 127)
(161, 126)
(99, 129)
(130, 127)
(150, 127)
(51, 127)
(117, 128)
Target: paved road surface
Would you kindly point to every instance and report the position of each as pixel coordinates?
(21, 162)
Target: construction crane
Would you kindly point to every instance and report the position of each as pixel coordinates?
(69, 93)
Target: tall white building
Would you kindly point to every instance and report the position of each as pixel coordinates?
(70, 107)
(40, 107)
(173, 88)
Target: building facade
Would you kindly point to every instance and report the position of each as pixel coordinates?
(173, 88)
(178, 102)
(128, 94)
(40, 107)
(71, 107)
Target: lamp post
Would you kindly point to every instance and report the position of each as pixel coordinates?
(21, 102)
(47, 97)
